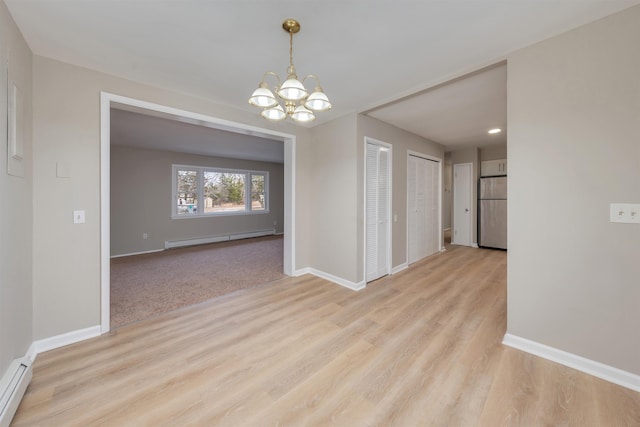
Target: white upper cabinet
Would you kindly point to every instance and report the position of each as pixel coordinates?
(493, 167)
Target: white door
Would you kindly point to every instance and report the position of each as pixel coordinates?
(462, 203)
(378, 229)
(423, 207)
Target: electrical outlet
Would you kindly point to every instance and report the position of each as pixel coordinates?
(145, 236)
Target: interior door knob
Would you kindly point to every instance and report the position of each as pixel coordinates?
(466, 210)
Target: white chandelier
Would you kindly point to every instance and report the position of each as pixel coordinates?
(298, 103)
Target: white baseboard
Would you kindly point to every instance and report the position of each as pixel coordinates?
(17, 384)
(57, 341)
(171, 244)
(249, 234)
(302, 272)
(591, 367)
(330, 277)
(137, 253)
(399, 268)
(475, 245)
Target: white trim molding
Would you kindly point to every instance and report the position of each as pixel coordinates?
(46, 344)
(591, 367)
(137, 253)
(331, 278)
(399, 268)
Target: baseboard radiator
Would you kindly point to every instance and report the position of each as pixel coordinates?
(170, 244)
(12, 387)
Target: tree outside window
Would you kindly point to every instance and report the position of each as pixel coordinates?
(187, 192)
(201, 191)
(258, 201)
(224, 192)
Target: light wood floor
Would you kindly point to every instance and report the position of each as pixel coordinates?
(420, 348)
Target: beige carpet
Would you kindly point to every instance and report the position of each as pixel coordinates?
(143, 286)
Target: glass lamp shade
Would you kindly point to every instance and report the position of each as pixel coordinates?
(301, 114)
(317, 101)
(292, 90)
(263, 98)
(274, 114)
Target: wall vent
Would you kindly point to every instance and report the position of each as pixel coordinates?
(12, 387)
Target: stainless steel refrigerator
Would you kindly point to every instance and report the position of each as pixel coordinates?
(492, 215)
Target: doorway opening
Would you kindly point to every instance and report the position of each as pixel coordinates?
(109, 101)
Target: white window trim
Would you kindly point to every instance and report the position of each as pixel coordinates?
(200, 170)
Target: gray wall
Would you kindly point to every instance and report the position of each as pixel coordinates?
(141, 200)
(334, 183)
(402, 142)
(16, 238)
(338, 152)
(469, 155)
(574, 147)
(66, 109)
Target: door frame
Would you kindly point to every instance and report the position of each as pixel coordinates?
(369, 140)
(470, 184)
(107, 100)
(439, 161)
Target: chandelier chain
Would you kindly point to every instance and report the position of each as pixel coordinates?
(291, 67)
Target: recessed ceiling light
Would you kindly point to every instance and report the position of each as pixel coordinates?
(496, 130)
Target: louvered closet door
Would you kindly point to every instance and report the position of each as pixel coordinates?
(422, 188)
(377, 212)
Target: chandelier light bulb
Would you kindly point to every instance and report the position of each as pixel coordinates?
(318, 101)
(292, 90)
(274, 114)
(263, 97)
(301, 114)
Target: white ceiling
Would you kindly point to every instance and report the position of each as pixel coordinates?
(456, 114)
(146, 131)
(367, 53)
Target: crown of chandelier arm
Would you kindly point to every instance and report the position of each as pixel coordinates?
(299, 104)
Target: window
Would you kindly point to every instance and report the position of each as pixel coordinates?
(187, 191)
(200, 191)
(258, 202)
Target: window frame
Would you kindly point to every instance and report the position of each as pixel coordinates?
(200, 171)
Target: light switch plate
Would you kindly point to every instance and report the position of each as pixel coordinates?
(628, 213)
(78, 217)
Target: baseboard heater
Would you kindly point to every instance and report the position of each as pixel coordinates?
(12, 387)
(170, 244)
